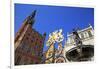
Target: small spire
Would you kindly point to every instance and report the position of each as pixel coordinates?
(30, 18)
(33, 14)
(90, 25)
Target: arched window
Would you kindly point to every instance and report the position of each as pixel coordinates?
(89, 33)
(82, 35)
(85, 33)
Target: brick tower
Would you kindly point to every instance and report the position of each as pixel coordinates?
(28, 43)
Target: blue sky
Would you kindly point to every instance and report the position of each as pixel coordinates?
(51, 18)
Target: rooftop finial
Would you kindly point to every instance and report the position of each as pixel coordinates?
(90, 25)
(33, 14)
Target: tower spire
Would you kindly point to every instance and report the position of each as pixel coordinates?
(33, 14)
(30, 19)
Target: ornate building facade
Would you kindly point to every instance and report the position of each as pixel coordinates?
(28, 43)
(59, 58)
(80, 45)
(54, 55)
(49, 54)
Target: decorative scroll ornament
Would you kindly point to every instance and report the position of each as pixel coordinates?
(55, 36)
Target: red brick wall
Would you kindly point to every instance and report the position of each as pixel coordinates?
(32, 42)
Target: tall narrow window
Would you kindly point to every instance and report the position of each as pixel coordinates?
(71, 40)
(90, 34)
(85, 33)
(82, 36)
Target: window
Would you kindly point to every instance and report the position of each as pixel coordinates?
(40, 41)
(71, 40)
(41, 53)
(85, 34)
(82, 35)
(37, 39)
(26, 38)
(89, 33)
(28, 34)
(31, 40)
